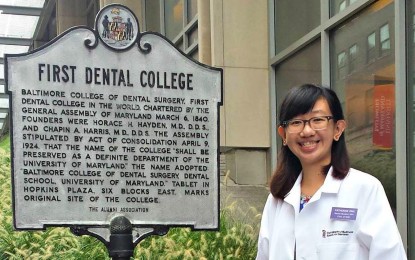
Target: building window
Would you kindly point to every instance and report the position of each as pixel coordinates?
(192, 36)
(341, 65)
(368, 93)
(385, 42)
(353, 58)
(152, 16)
(371, 47)
(293, 20)
(338, 6)
(303, 66)
(191, 10)
(175, 19)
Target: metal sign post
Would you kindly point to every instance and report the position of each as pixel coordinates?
(114, 133)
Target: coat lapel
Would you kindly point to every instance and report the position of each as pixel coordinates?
(293, 197)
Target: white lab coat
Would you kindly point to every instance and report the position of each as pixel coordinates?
(372, 235)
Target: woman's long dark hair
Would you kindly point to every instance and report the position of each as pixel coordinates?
(301, 100)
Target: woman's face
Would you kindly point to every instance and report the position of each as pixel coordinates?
(313, 147)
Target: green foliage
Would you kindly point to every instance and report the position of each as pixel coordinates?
(5, 143)
(235, 240)
(380, 164)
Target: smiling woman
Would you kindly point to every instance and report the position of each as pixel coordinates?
(329, 210)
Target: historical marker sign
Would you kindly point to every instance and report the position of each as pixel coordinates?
(110, 122)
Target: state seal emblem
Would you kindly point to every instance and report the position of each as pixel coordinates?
(117, 27)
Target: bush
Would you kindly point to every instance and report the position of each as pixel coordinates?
(5, 143)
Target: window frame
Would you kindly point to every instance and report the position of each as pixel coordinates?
(353, 58)
(372, 52)
(342, 69)
(383, 51)
(182, 39)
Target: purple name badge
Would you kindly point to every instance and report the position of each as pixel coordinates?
(343, 213)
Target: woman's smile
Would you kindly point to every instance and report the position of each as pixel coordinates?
(309, 144)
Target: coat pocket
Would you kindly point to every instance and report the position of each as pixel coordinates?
(339, 251)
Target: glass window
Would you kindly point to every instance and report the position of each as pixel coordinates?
(191, 9)
(19, 26)
(302, 67)
(195, 55)
(174, 11)
(341, 64)
(368, 94)
(31, 3)
(169, 17)
(180, 45)
(293, 20)
(153, 15)
(353, 58)
(337, 6)
(385, 43)
(193, 36)
(371, 47)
